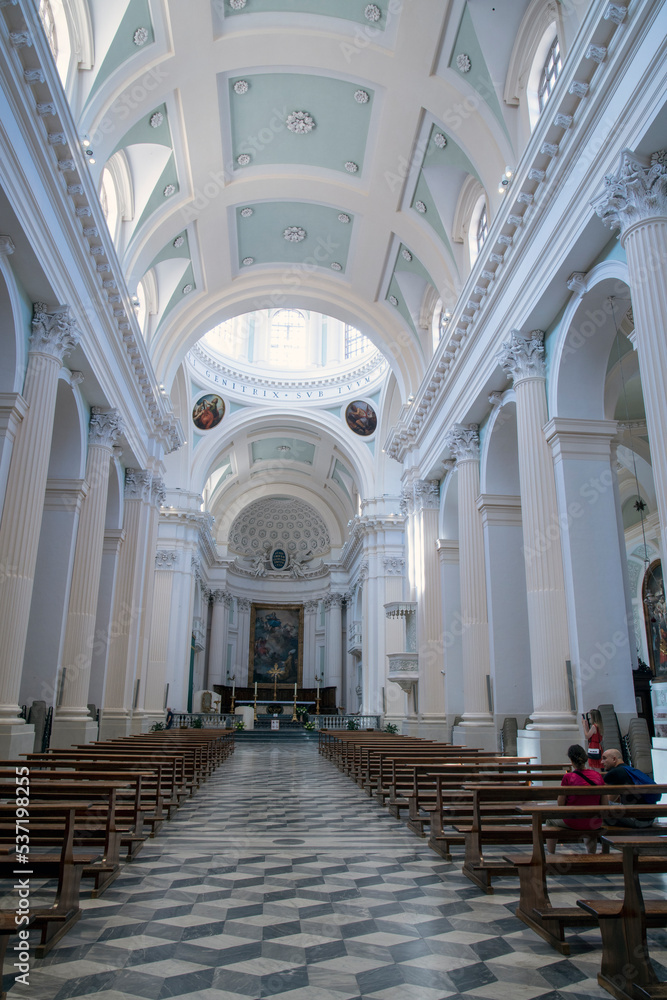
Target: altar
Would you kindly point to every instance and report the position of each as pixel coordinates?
(287, 706)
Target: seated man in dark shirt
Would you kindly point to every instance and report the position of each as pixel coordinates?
(616, 773)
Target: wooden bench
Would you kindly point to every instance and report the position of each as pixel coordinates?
(626, 969)
(534, 908)
(95, 823)
(9, 929)
(62, 866)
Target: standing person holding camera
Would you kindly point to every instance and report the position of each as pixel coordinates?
(594, 732)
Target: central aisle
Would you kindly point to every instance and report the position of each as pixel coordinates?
(281, 878)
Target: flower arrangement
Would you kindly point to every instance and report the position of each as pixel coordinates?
(309, 726)
(390, 728)
(156, 727)
(196, 723)
(240, 725)
(352, 724)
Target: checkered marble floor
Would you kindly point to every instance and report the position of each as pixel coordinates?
(280, 878)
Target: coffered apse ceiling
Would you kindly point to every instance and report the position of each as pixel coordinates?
(297, 153)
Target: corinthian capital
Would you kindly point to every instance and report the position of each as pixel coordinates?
(53, 333)
(463, 442)
(426, 493)
(523, 357)
(105, 427)
(158, 491)
(636, 192)
(137, 484)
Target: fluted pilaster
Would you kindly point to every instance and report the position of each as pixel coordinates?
(54, 335)
(523, 360)
(635, 201)
(463, 443)
(72, 723)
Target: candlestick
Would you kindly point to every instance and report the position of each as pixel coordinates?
(294, 717)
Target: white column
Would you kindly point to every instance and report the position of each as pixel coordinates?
(476, 726)
(523, 360)
(601, 630)
(72, 724)
(635, 201)
(217, 657)
(165, 562)
(146, 713)
(243, 606)
(426, 509)
(13, 409)
(508, 612)
(309, 625)
(123, 666)
(54, 335)
(452, 633)
(334, 644)
(113, 539)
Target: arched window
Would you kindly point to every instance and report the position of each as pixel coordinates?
(287, 347)
(552, 67)
(355, 342)
(109, 202)
(482, 228)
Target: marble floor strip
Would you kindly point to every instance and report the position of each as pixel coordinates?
(281, 878)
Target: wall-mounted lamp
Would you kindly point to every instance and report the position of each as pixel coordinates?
(505, 180)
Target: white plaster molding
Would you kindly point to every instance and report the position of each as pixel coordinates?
(635, 193)
(523, 357)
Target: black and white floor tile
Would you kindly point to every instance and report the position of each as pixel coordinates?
(280, 878)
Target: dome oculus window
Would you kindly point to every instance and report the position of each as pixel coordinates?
(550, 72)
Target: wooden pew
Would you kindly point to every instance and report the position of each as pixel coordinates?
(627, 971)
(534, 907)
(62, 867)
(95, 823)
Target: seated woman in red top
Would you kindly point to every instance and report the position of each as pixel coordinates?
(580, 774)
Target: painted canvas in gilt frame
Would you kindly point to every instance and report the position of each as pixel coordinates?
(276, 636)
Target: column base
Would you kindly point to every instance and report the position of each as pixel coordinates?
(71, 732)
(547, 746)
(555, 721)
(16, 739)
(481, 735)
(114, 723)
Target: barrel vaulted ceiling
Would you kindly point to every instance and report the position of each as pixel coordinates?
(302, 153)
(240, 122)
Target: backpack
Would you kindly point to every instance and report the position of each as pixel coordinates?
(638, 777)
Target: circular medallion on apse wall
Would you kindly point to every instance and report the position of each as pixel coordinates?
(361, 418)
(207, 412)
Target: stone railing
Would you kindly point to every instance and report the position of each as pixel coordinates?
(341, 721)
(184, 720)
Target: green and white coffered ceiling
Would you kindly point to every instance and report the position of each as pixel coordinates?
(293, 233)
(359, 11)
(296, 118)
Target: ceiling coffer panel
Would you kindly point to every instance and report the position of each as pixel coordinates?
(279, 521)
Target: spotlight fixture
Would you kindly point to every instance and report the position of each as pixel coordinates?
(87, 149)
(505, 180)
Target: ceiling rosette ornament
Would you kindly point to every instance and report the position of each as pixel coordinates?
(372, 12)
(241, 87)
(140, 36)
(361, 97)
(440, 140)
(342, 217)
(237, 4)
(246, 213)
(169, 190)
(463, 62)
(393, 300)
(420, 206)
(243, 160)
(294, 234)
(247, 261)
(335, 266)
(156, 119)
(351, 167)
(406, 255)
(300, 122)
(179, 241)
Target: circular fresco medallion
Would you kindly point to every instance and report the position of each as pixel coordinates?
(361, 418)
(207, 412)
